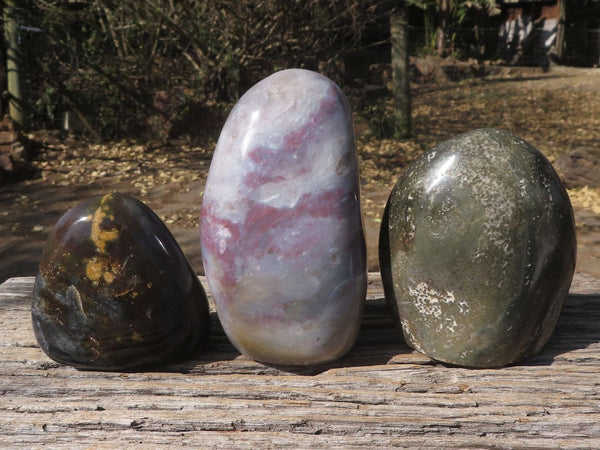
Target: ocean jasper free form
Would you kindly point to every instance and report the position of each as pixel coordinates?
(477, 250)
(114, 290)
(281, 227)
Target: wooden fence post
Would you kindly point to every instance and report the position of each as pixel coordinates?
(560, 34)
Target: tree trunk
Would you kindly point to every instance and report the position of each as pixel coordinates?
(13, 58)
(442, 32)
(400, 71)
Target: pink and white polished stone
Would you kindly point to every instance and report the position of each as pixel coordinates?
(282, 238)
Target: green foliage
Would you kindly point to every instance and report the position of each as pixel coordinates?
(109, 60)
(78, 60)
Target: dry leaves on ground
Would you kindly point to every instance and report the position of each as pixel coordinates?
(538, 107)
(77, 161)
(585, 198)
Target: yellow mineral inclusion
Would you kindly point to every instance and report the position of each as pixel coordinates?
(137, 337)
(108, 277)
(101, 237)
(97, 268)
(94, 269)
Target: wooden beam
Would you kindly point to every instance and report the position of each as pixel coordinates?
(380, 395)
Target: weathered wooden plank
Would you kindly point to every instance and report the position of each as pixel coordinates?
(380, 394)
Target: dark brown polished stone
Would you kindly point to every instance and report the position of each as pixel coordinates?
(114, 290)
(477, 250)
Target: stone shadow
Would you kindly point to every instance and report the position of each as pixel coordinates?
(378, 343)
(577, 329)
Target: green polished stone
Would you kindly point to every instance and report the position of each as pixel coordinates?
(477, 250)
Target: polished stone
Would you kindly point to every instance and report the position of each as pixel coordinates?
(281, 227)
(477, 250)
(114, 291)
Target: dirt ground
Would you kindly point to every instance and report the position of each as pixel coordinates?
(558, 112)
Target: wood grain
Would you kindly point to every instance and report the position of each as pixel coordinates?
(382, 394)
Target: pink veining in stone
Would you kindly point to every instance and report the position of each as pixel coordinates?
(282, 238)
